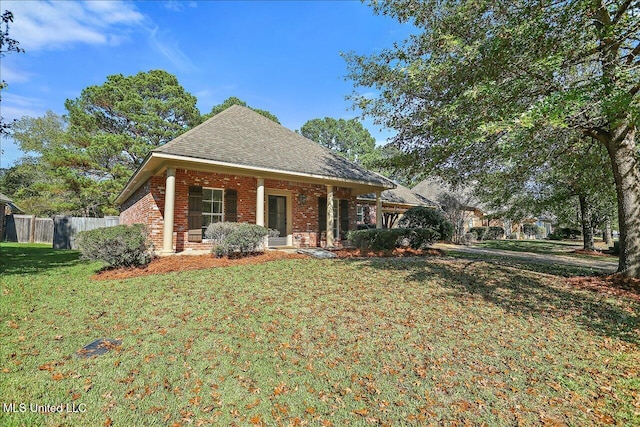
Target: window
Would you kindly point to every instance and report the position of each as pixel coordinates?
(360, 214)
(212, 207)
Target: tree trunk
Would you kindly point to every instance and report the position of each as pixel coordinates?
(626, 172)
(586, 221)
(606, 233)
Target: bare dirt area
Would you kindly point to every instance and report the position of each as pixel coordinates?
(190, 262)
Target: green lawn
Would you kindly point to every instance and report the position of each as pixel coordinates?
(311, 342)
(555, 247)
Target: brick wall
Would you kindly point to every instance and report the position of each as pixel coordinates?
(146, 205)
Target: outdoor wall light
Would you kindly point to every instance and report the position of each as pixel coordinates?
(302, 199)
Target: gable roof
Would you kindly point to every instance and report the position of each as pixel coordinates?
(434, 188)
(4, 200)
(400, 195)
(242, 139)
(239, 135)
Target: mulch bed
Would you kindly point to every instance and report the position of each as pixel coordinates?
(190, 262)
(200, 262)
(595, 253)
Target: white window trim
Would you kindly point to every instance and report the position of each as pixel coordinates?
(359, 214)
(221, 214)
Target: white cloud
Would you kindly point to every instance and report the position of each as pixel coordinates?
(52, 25)
(11, 75)
(46, 25)
(17, 106)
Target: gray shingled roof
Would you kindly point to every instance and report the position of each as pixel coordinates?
(241, 136)
(400, 195)
(433, 188)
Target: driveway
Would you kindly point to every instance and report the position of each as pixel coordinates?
(606, 265)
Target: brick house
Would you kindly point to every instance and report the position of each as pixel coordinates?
(242, 167)
(395, 203)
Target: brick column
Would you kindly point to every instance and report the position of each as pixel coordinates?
(260, 202)
(330, 218)
(169, 203)
(378, 210)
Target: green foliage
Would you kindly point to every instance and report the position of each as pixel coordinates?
(483, 85)
(113, 127)
(421, 238)
(566, 233)
(236, 239)
(40, 183)
(236, 101)
(386, 240)
(487, 233)
(217, 232)
(377, 240)
(346, 137)
(119, 246)
(479, 232)
(429, 218)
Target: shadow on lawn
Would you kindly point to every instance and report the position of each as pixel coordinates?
(30, 259)
(522, 293)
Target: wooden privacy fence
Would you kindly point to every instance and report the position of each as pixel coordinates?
(67, 227)
(59, 231)
(28, 229)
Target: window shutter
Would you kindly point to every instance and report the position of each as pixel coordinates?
(322, 214)
(344, 218)
(231, 205)
(195, 214)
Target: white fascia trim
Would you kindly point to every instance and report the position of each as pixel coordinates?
(265, 170)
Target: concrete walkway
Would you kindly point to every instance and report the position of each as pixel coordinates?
(606, 265)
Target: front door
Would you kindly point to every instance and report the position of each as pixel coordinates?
(277, 208)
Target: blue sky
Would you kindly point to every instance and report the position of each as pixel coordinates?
(281, 56)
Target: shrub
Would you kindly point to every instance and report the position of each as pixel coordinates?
(480, 232)
(428, 218)
(376, 240)
(386, 240)
(420, 238)
(238, 239)
(567, 233)
(119, 246)
(218, 231)
(495, 233)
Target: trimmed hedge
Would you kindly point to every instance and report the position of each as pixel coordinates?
(487, 233)
(119, 246)
(236, 239)
(386, 240)
(427, 218)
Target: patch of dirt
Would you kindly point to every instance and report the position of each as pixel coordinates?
(398, 252)
(190, 262)
(613, 284)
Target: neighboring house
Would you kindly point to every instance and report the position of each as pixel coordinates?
(240, 166)
(6, 207)
(470, 211)
(395, 203)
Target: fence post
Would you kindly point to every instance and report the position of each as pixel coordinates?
(32, 229)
